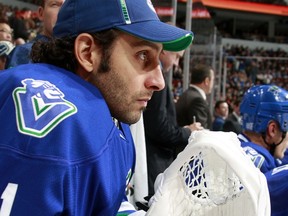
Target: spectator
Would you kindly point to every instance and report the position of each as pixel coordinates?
(221, 111)
(233, 122)
(70, 112)
(17, 23)
(48, 11)
(192, 104)
(163, 135)
(5, 31)
(178, 90)
(262, 66)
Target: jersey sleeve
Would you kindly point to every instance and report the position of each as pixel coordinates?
(277, 180)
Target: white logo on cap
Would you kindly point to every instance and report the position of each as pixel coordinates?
(149, 3)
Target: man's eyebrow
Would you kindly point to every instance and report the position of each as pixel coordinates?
(147, 43)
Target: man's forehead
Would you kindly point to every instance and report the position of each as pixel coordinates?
(135, 41)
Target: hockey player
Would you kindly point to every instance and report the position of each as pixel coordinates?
(264, 111)
(65, 142)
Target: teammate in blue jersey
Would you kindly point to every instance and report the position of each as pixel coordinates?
(65, 142)
(277, 180)
(264, 111)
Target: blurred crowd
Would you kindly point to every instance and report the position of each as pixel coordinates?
(23, 21)
(254, 66)
(246, 67)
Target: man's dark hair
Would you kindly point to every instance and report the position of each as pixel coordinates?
(236, 102)
(199, 73)
(60, 51)
(41, 3)
(25, 9)
(218, 103)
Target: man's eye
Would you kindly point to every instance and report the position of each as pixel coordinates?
(56, 4)
(143, 56)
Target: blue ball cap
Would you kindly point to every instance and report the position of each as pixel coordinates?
(136, 17)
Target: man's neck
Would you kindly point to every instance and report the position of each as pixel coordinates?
(256, 138)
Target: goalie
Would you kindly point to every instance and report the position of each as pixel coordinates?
(264, 111)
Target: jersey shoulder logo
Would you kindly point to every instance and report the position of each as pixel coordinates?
(256, 158)
(40, 107)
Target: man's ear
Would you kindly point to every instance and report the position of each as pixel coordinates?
(164, 52)
(40, 13)
(272, 128)
(87, 53)
(207, 81)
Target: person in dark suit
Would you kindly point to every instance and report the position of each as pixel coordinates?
(192, 104)
(233, 121)
(162, 133)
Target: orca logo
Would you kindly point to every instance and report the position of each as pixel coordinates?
(40, 107)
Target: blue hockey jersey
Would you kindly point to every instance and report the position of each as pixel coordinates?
(276, 175)
(260, 156)
(60, 151)
(277, 180)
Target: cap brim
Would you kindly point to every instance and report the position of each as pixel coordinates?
(173, 38)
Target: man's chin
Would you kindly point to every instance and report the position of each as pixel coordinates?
(131, 118)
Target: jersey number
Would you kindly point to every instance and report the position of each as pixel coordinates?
(8, 197)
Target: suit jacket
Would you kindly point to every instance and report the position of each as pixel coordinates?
(162, 134)
(232, 124)
(191, 103)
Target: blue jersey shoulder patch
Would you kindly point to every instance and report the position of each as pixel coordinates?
(40, 107)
